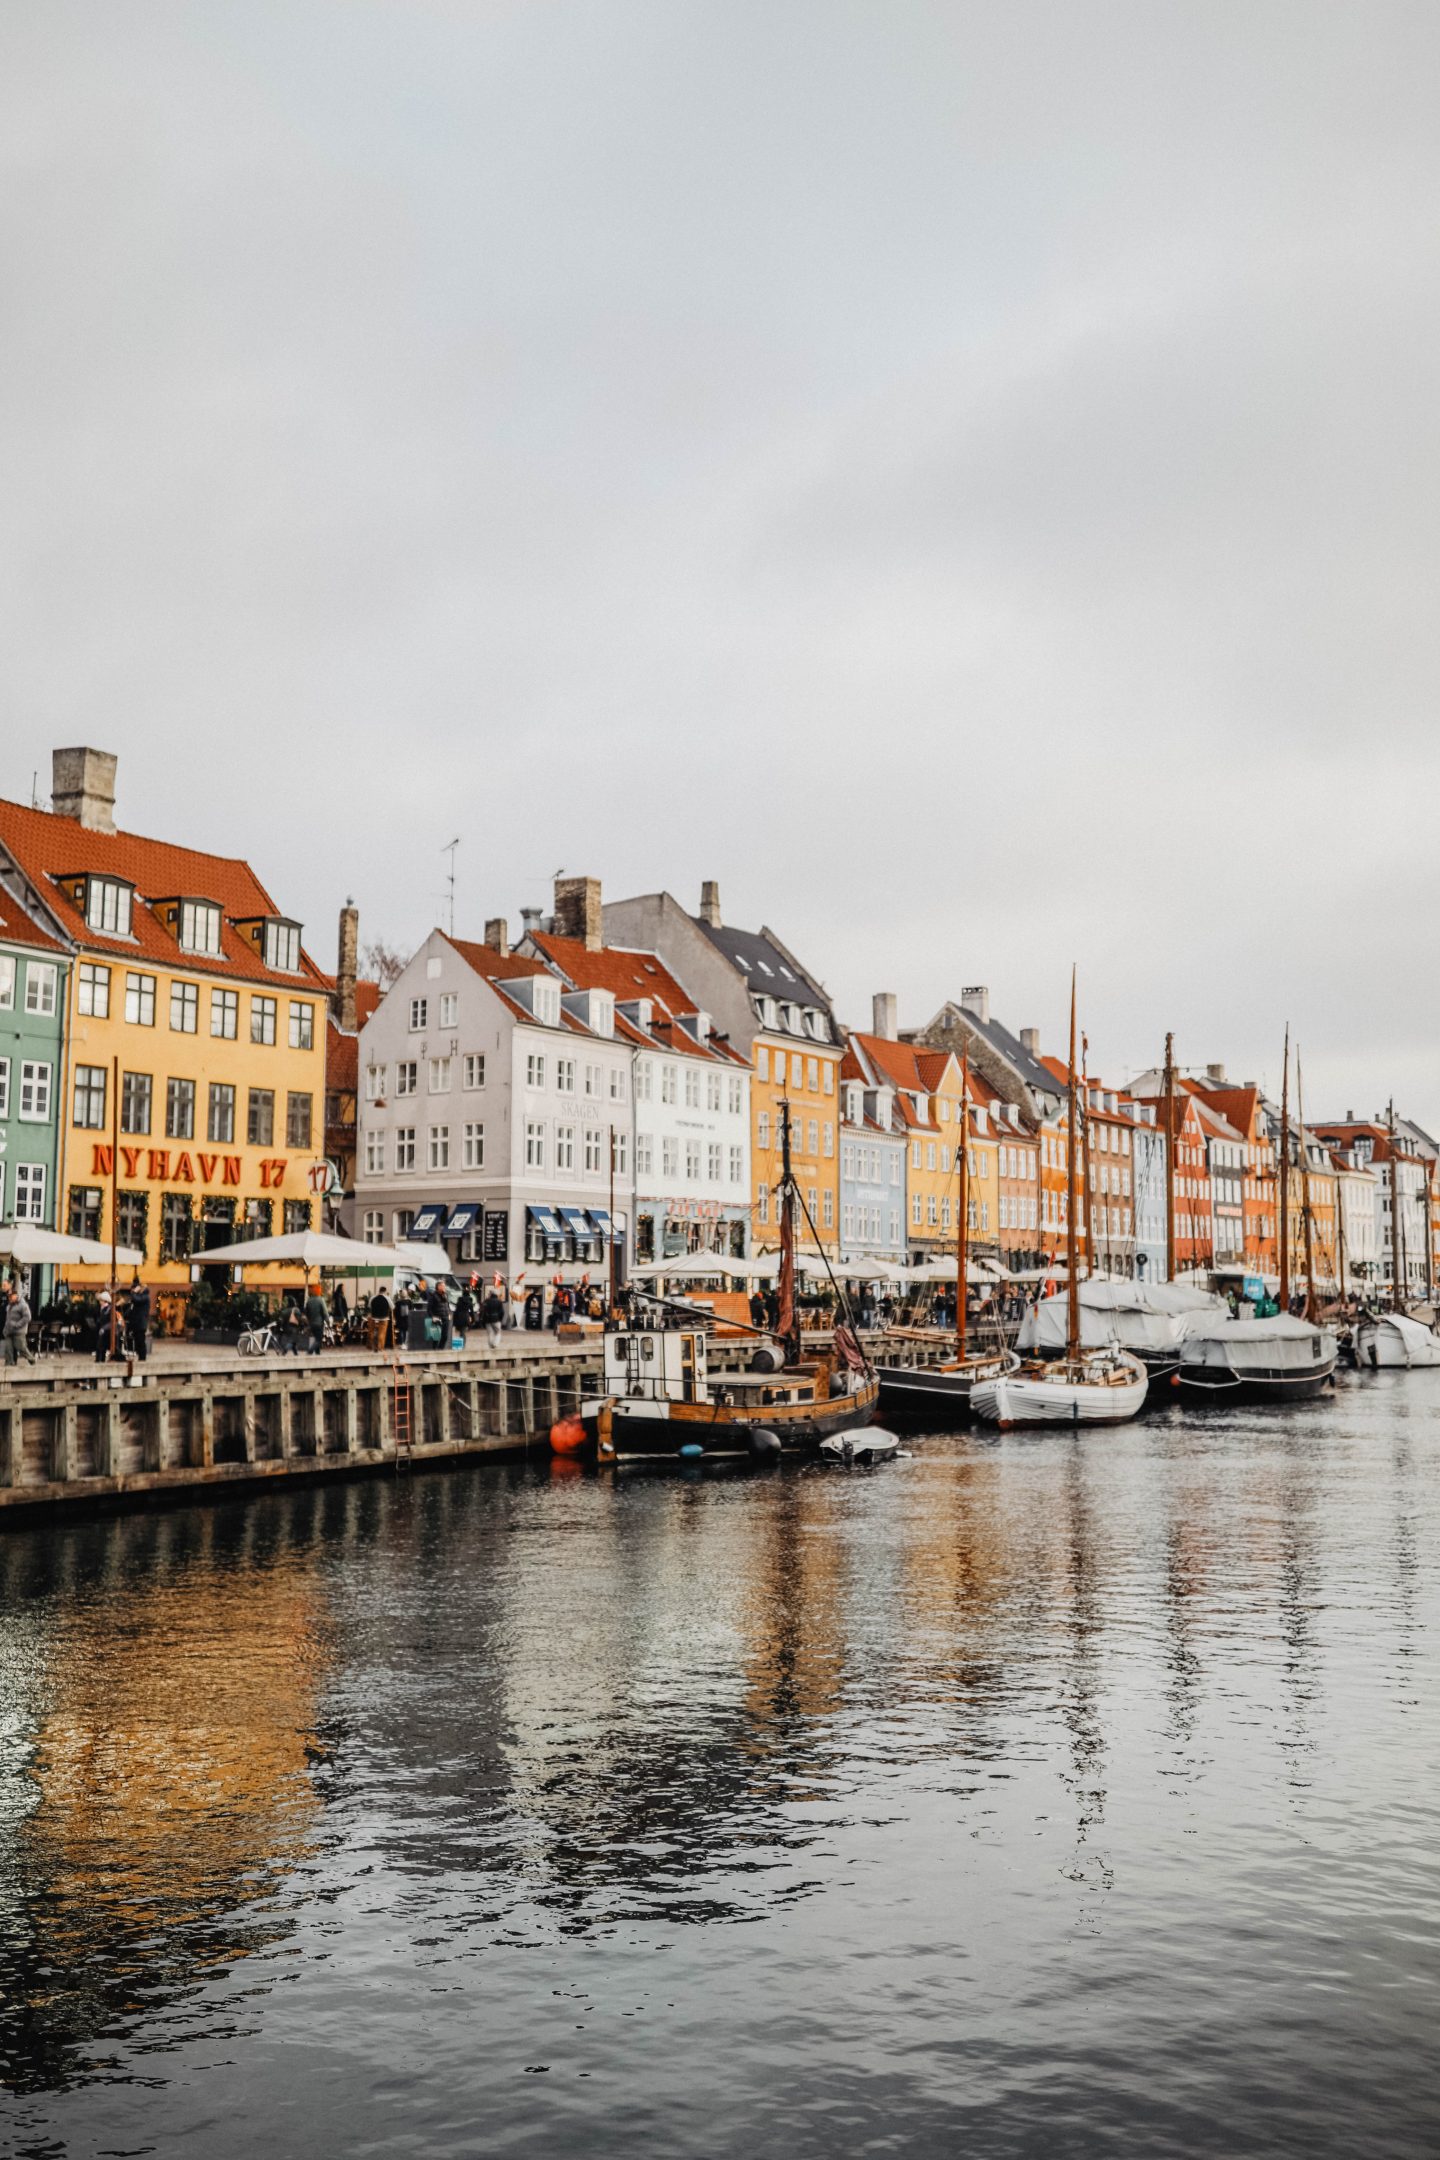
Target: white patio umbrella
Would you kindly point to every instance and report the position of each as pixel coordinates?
(315, 1250)
(426, 1260)
(29, 1246)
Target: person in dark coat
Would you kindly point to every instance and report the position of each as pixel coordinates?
(381, 1314)
(492, 1312)
(462, 1319)
(316, 1316)
(138, 1319)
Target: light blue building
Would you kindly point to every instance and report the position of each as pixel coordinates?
(1147, 1163)
(872, 1173)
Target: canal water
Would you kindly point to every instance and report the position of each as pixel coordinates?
(1042, 1795)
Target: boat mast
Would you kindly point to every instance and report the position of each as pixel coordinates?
(1340, 1221)
(1072, 1255)
(1285, 1178)
(1395, 1238)
(962, 1235)
(1086, 1171)
(789, 1327)
(1305, 1191)
(1169, 1158)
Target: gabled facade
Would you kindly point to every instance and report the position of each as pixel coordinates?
(774, 1011)
(1397, 1165)
(491, 1097)
(926, 1089)
(194, 1023)
(34, 966)
(1012, 1064)
(872, 1169)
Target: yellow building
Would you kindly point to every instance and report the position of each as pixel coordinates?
(805, 1077)
(194, 1073)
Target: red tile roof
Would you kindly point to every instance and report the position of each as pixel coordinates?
(49, 848)
(630, 976)
(18, 928)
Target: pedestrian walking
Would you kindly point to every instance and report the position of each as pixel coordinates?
(492, 1312)
(380, 1320)
(137, 1319)
(15, 1336)
(462, 1319)
(316, 1315)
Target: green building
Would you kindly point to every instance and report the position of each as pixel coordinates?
(33, 967)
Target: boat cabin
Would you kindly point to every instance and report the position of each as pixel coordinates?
(663, 1365)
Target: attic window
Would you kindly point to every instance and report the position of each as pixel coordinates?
(282, 946)
(199, 926)
(107, 905)
(547, 1003)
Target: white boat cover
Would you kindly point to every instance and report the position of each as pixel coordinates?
(1138, 1316)
(1414, 1343)
(1283, 1343)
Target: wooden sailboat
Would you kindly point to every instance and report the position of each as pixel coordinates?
(658, 1400)
(1085, 1387)
(1282, 1358)
(936, 1397)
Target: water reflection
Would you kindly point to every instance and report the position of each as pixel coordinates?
(916, 1787)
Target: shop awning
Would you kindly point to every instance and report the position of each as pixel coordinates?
(428, 1221)
(577, 1220)
(462, 1219)
(548, 1220)
(600, 1217)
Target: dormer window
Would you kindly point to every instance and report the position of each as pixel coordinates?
(547, 1003)
(107, 905)
(199, 926)
(282, 946)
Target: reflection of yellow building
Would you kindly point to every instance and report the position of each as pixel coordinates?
(195, 1039)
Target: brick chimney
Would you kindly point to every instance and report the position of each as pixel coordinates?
(976, 1002)
(885, 1021)
(347, 967)
(710, 903)
(82, 786)
(497, 934)
(1030, 1040)
(577, 911)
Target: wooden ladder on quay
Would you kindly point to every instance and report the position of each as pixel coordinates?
(401, 1407)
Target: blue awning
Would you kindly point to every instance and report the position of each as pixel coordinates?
(603, 1226)
(428, 1221)
(577, 1220)
(548, 1220)
(462, 1219)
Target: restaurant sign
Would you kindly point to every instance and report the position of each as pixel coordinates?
(181, 1166)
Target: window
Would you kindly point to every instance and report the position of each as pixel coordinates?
(403, 1219)
(930, 1154)
(262, 1019)
(915, 1209)
(535, 1069)
(692, 1088)
(375, 1158)
(30, 1192)
(669, 1156)
(780, 1070)
(35, 1093)
(813, 1131)
(593, 1138)
(131, 1219)
(85, 1211)
(829, 1137)
(299, 1120)
(260, 1118)
(7, 981)
(737, 1165)
(136, 1090)
(565, 1147)
(407, 1077)
(736, 1095)
(642, 1079)
(449, 1009)
(827, 1208)
(374, 1230)
(474, 1147)
(762, 1129)
(667, 1084)
(90, 1090)
(617, 1083)
(282, 947)
(107, 906)
(622, 1154)
(812, 1075)
(763, 1211)
(692, 1160)
(439, 1152)
(302, 1025)
(93, 993)
(714, 1162)
(419, 1013)
(473, 1072)
(534, 1146)
(440, 1076)
(140, 1000)
(295, 1216)
(565, 1075)
(180, 1109)
(200, 926)
(404, 1147)
(592, 1079)
(945, 1214)
(177, 1226)
(185, 1008)
(224, 1012)
(220, 1114)
(644, 1154)
(930, 1210)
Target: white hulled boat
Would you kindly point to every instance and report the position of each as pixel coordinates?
(1085, 1387)
(1282, 1359)
(1150, 1320)
(1393, 1338)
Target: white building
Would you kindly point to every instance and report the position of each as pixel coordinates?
(491, 1098)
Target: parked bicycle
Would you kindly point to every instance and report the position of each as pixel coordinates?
(258, 1341)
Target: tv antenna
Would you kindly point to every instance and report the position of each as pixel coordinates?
(449, 850)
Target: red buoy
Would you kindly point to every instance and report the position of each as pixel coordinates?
(567, 1436)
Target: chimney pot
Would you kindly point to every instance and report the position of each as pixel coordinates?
(577, 911)
(82, 786)
(976, 1002)
(710, 903)
(347, 968)
(497, 934)
(885, 1010)
(1029, 1038)
(1216, 1075)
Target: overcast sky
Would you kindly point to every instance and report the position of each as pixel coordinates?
(964, 477)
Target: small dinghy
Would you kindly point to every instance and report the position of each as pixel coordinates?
(861, 1450)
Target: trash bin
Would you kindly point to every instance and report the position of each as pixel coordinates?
(415, 1338)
